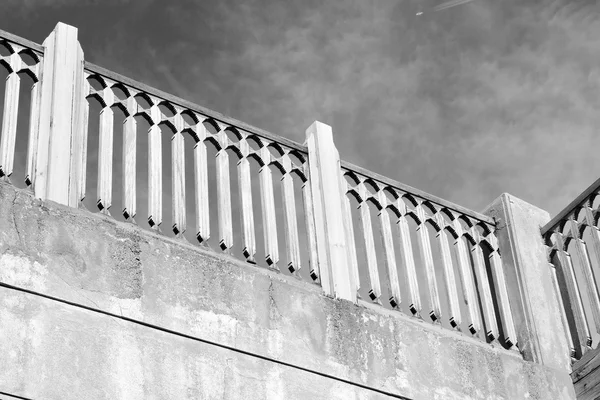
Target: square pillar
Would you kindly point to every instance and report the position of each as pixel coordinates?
(337, 279)
(532, 290)
(60, 151)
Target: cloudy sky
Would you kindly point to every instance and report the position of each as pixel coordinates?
(465, 103)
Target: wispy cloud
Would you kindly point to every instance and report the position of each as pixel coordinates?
(450, 4)
(466, 104)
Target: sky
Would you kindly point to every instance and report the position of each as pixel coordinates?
(465, 103)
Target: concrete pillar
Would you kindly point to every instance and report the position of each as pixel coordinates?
(60, 152)
(325, 176)
(534, 301)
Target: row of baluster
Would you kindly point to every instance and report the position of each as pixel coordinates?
(200, 134)
(463, 256)
(576, 282)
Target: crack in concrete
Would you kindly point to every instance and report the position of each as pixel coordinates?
(306, 343)
(15, 219)
(78, 291)
(272, 300)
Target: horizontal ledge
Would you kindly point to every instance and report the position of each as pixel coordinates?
(38, 48)
(572, 205)
(95, 69)
(419, 193)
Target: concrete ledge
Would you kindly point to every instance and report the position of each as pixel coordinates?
(53, 350)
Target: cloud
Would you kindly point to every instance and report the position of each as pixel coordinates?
(465, 103)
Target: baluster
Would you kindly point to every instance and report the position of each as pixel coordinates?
(290, 221)
(466, 277)
(129, 160)
(247, 214)
(588, 273)
(85, 114)
(34, 117)
(178, 177)
(9, 118)
(389, 253)
(350, 240)
(510, 335)
(563, 259)
(427, 258)
(223, 193)
(563, 316)
(485, 294)
(594, 231)
(201, 185)
(154, 170)
(105, 152)
(370, 251)
(408, 259)
(79, 141)
(309, 218)
(268, 209)
(455, 317)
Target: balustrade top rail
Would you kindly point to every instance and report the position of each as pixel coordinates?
(38, 48)
(419, 193)
(142, 87)
(572, 207)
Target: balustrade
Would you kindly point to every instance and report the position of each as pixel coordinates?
(428, 256)
(573, 241)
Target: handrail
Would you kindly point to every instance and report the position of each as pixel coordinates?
(570, 207)
(38, 48)
(419, 193)
(95, 69)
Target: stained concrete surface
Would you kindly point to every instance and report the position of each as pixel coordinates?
(53, 350)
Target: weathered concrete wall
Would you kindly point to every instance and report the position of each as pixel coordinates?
(50, 349)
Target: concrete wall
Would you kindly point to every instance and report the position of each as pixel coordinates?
(153, 305)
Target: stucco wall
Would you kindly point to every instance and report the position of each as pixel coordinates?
(174, 297)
